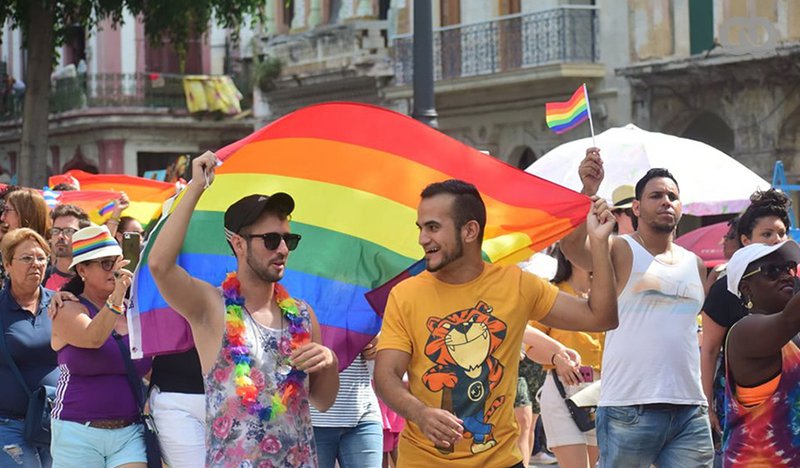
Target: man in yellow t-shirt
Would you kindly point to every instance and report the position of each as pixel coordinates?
(457, 328)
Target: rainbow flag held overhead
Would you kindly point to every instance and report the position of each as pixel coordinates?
(146, 195)
(564, 116)
(355, 172)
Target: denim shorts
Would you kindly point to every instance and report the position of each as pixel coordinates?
(75, 445)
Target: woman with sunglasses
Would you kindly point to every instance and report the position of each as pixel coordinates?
(765, 221)
(763, 374)
(96, 419)
(25, 344)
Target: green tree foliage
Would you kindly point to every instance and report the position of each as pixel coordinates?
(44, 24)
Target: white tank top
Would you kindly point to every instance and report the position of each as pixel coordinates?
(654, 356)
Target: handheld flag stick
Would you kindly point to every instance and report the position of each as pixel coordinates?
(589, 111)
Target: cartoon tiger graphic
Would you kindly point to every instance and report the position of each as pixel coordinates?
(461, 346)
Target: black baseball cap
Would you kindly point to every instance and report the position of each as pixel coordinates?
(247, 210)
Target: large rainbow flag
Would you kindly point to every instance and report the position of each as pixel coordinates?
(356, 172)
(564, 116)
(146, 195)
(90, 201)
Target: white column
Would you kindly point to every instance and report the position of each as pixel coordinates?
(127, 50)
(315, 13)
(216, 41)
(299, 19)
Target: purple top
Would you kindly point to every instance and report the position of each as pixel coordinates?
(94, 383)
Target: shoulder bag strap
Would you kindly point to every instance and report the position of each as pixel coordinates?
(133, 379)
(11, 363)
(559, 385)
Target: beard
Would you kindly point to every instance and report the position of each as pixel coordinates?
(664, 228)
(62, 251)
(447, 258)
(262, 271)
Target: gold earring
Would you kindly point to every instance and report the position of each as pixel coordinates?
(748, 305)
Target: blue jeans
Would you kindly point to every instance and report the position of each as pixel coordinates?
(665, 436)
(354, 447)
(16, 452)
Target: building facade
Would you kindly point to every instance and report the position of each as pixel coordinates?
(721, 71)
(118, 102)
(496, 64)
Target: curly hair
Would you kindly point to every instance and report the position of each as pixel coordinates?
(764, 203)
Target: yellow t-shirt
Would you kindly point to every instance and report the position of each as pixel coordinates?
(588, 345)
(464, 342)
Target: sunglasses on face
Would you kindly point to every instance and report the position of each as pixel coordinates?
(107, 264)
(272, 240)
(773, 271)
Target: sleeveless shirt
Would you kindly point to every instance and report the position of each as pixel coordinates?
(767, 434)
(653, 356)
(94, 382)
(235, 438)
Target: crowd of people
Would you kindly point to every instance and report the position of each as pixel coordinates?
(469, 356)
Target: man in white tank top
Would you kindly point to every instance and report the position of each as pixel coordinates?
(652, 410)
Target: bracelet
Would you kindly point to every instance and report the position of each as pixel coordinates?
(553, 359)
(115, 309)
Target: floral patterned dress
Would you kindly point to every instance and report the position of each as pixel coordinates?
(237, 439)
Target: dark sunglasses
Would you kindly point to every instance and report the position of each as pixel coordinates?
(773, 271)
(107, 264)
(273, 239)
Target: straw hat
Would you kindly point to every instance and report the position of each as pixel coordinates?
(622, 197)
(93, 242)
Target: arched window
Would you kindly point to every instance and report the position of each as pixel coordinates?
(712, 130)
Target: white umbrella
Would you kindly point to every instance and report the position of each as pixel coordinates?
(710, 181)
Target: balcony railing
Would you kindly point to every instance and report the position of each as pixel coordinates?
(107, 90)
(561, 35)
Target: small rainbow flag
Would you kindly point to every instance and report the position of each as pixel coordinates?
(564, 116)
(356, 172)
(107, 208)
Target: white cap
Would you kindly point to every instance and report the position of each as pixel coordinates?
(743, 257)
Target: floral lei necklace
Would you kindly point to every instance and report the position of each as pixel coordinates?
(288, 383)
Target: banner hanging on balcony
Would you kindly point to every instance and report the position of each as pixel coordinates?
(355, 172)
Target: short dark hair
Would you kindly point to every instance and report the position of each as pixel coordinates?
(653, 173)
(467, 206)
(764, 203)
(71, 210)
(563, 266)
(124, 222)
(733, 229)
(64, 187)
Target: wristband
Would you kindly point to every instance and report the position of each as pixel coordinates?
(117, 310)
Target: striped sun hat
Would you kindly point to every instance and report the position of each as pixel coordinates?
(93, 242)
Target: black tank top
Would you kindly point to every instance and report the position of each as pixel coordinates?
(178, 373)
